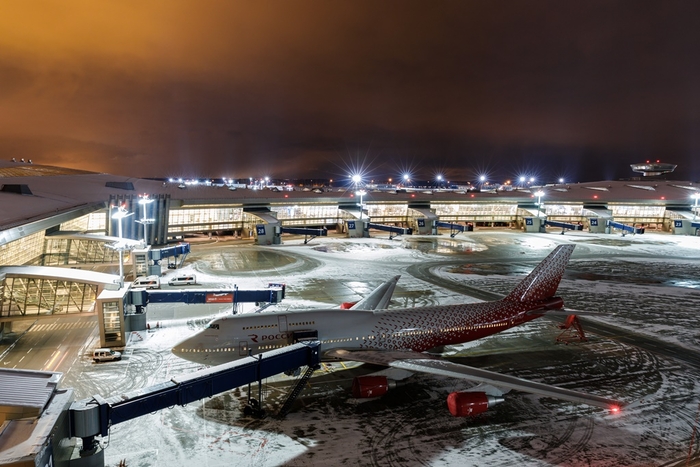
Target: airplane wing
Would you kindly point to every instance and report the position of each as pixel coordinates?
(422, 363)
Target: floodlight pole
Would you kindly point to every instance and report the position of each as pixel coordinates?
(121, 255)
(144, 202)
(539, 195)
(120, 215)
(361, 193)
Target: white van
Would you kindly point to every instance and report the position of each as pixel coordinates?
(189, 279)
(106, 355)
(150, 282)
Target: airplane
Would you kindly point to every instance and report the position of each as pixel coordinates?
(399, 338)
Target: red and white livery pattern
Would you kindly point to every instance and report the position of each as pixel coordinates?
(398, 337)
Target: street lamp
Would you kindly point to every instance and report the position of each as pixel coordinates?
(539, 195)
(120, 215)
(144, 202)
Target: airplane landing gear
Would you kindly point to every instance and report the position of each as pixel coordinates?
(253, 409)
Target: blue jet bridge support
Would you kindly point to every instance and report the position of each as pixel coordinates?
(313, 233)
(563, 225)
(454, 228)
(93, 417)
(624, 227)
(273, 294)
(181, 249)
(392, 229)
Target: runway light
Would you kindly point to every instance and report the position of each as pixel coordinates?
(615, 409)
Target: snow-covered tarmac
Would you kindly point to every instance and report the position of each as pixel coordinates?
(645, 285)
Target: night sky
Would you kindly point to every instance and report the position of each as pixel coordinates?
(309, 89)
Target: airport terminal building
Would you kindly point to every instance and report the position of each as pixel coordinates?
(68, 238)
(58, 223)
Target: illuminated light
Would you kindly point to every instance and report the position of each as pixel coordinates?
(663, 197)
(472, 195)
(357, 178)
(413, 196)
(615, 409)
(352, 195)
(286, 196)
(595, 196)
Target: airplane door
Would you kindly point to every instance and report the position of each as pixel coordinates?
(282, 320)
(243, 348)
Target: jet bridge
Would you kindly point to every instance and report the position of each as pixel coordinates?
(454, 228)
(313, 233)
(392, 229)
(273, 294)
(563, 225)
(94, 416)
(624, 227)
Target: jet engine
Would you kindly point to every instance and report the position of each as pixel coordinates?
(364, 387)
(469, 404)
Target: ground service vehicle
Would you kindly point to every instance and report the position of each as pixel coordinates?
(150, 282)
(106, 355)
(189, 279)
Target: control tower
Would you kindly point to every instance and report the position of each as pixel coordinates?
(649, 168)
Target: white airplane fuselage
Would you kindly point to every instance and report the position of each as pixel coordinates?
(416, 329)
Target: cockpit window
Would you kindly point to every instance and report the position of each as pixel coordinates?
(213, 326)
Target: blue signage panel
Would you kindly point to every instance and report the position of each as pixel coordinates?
(260, 229)
(678, 224)
(528, 221)
(594, 222)
(421, 222)
(351, 225)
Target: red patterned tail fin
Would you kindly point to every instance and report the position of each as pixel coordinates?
(543, 281)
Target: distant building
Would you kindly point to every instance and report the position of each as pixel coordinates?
(653, 168)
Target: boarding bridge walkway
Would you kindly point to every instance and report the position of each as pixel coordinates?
(273, 294)
(624, 227)
(94, 416)
(313, 233)
(181, 249)
(454, 228)
(392, 229)
(563, 225)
